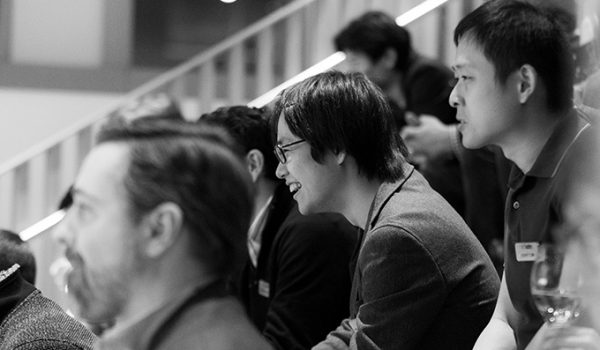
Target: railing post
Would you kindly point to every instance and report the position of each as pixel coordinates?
(264, 61)
(325, 28)
(36, 185)
(235, 74)
(293, 46)
(7, 200)
(177, 89)
(454, 12)
(69, 163)
(206, 86)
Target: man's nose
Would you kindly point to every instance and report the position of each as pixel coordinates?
(61, 233)
(281, 170)
(455, 100)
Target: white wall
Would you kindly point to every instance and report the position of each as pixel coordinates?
(66, 33)
(30, 116)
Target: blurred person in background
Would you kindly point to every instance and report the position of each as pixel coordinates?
(28, 320)
(159, 217)
(16, 251)
(296, 282)
(580, 238)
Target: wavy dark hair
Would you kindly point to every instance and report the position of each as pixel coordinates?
(336, 112)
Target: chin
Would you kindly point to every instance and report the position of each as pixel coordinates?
(304, 210)
(94, 305)
(469, 143)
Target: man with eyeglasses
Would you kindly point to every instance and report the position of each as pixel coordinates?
(295, 284)
(421, 279)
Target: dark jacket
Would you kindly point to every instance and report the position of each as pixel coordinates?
(299, 290)
(30, 321)
(422, 279)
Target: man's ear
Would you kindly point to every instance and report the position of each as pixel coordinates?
(389, 58)
(255, 161)
(162, 228)
(340, 157)
(527, 79)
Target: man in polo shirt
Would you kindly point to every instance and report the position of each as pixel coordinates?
(514, 86)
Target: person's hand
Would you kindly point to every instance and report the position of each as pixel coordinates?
(427, 137)
(567, 337)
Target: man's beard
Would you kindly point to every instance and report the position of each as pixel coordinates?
(100, 294)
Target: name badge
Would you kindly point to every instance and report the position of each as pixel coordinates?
(263, 288)
(526, 251)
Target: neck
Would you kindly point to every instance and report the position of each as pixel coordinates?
(359, 196)
(164, 281)
(264, 190)
(393, 90)
(529, 138)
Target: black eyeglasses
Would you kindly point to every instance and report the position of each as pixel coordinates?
(281, 149)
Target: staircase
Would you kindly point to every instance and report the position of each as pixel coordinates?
(236, 70)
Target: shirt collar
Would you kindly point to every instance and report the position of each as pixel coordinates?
(553, 153)
(384, 193)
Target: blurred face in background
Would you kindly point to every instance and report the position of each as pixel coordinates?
(99, 236)
(379, 72)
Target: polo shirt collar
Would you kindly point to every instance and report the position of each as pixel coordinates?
(566, 132)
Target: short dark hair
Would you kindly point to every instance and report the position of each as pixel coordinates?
(512, 33)
(373, 33)
(196, 167)
(250, 128)
(335, 111)
(13, 250)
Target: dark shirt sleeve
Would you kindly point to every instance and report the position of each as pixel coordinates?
(402, 291)
(313, 282)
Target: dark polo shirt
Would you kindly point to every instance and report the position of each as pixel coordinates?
(532, 211)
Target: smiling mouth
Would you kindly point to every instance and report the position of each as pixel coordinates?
(294, 187)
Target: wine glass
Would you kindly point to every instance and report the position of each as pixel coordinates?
(555, 283)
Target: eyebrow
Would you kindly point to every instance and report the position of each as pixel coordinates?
(286, 139)
(77, 192)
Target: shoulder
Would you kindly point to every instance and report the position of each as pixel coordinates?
(418, 214)
(39, 320)
(218, 323)
(316, 228)
(416, 207)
